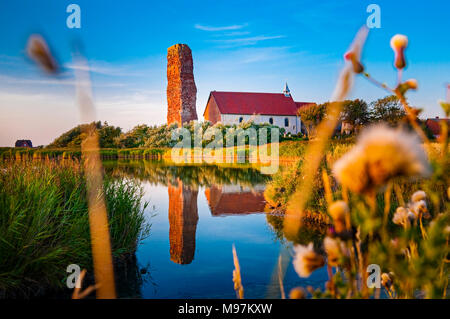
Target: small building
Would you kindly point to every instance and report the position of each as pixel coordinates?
(23, 143)
(434, 126)
(274, 108)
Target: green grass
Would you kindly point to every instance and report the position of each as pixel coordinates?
(44, 224)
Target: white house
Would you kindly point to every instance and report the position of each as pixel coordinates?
(274, 108)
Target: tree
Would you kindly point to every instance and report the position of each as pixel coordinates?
(74, 137)
(135, 137)
(311, 115)
(388, 109)
(355, 112)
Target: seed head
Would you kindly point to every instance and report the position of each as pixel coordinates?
(381, 153)
(306, 260)
(38, 50)
(399, 43)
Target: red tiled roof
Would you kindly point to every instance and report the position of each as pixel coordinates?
(221, 203)
(302, 104)
(433, 125)
(255, 103)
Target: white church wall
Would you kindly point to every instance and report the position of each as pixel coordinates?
(294, 126)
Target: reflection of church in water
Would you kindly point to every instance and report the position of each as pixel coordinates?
(222, 200)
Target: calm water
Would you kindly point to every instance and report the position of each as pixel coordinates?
(197, 213)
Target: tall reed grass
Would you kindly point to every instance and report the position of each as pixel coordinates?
(44, 223)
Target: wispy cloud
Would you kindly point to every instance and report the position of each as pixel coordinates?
(222, 28)
(105, 68)
(247, 40)
(236, 33)
(63, 80)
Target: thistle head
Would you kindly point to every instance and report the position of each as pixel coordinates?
(399, 43)
(307, 260)
(400, 216)
(354, 59)
(387, 280)
(335, 250)
(380, 154)
(339, 211)
(418, 196)
(297, 293)
(37, 50)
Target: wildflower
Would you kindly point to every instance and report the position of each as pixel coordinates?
(335, 250)
(418, 196)
(447, 230)
(399, 43)
(420, 208)
(387, 280)
(357, 66)
(339, 211)
(345, 80)
(38, 50)
(410, 84)
(297, 293)
(354, 54)
(306, 260)
(400, 216)
(381, 153)
(411, 216)
(395, 243)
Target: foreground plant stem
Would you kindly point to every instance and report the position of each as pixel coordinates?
(98, 218)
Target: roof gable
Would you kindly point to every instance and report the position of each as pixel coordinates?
(255, 103)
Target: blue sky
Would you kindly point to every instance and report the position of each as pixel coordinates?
(237, 46)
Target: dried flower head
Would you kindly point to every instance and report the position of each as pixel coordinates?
(38, 50)
(387, 280)
(335, 249)
(410, 84)
(306, 260)
(400, 216)
(354, 53)
(339, 211)
(411, 216)
(381, 154)
(399, 43)
(345, 81)
(447, 230)
(418, 196)
(419, 208)
(297, 293)
(352, 57)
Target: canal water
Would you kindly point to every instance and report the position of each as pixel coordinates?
(197, 213)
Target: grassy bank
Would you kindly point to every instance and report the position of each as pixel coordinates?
(44, 225)
(18, 153)
(286, 180)
(288, 151)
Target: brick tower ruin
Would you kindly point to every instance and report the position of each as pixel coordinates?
(183, 218)
(181, 89)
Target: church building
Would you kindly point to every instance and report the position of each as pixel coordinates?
(278, 109)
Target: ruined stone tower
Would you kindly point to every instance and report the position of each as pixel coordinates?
(181, 89)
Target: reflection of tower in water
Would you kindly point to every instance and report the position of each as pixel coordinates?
(183, 218)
